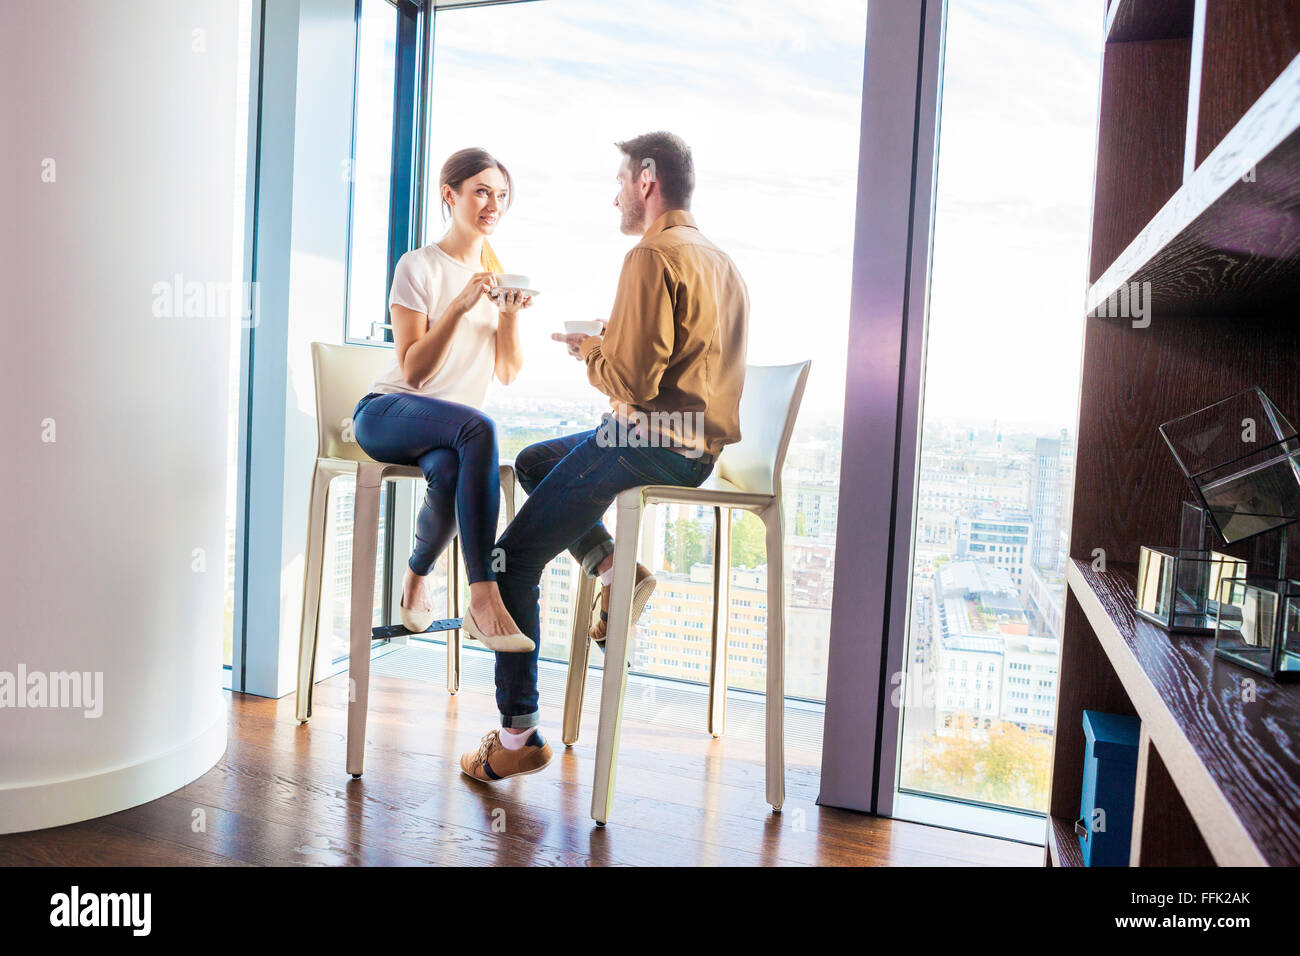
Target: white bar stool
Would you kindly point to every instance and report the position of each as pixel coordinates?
(342, 375)
(747, 476)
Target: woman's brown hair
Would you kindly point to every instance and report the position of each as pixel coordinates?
(460, 166)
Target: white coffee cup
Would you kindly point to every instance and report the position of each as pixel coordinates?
(508, 281)
(586, 328)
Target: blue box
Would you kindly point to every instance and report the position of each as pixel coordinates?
(1105, 824)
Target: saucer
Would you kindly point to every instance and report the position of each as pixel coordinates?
(497, 290)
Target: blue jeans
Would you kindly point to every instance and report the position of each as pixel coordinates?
(456, 448)
(573, 482)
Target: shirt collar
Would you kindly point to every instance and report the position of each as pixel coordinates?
(673, 217)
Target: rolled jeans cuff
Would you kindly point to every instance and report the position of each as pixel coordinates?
(591, 560)
(521, 721)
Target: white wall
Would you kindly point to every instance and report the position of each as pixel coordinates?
(112, 533)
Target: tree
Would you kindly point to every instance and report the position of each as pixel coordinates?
(748, 540)
(1008, 766)
(686, 545)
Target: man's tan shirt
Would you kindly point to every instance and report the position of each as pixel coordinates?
(673, 352)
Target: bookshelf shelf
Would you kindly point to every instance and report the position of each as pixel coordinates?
(1062, 845)
(1227, 745)
(1229, 238)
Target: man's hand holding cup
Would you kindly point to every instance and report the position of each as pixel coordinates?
(575, 332)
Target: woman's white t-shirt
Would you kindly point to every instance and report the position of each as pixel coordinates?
(426, 280)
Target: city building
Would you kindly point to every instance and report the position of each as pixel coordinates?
(1043, 601)
(1029, 667)
(976, 608)
(1002, 540)
(1045, 506)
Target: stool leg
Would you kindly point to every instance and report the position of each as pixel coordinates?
(721, 621)
(575, 682)
(311, 588)
(618, 651)
(773, 521)
(508, 489)
(365, 543)
(453, 608)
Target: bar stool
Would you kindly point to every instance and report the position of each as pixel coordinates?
(342, 375)
(747, 476)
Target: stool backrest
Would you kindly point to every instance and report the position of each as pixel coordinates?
(769, 404)
(344, 374)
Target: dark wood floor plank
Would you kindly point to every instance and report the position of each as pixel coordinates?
(280, 796)
(251, 837)
(667, 751)
(527, 807)
(100, 843)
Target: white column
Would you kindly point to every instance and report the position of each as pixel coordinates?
(118, 167)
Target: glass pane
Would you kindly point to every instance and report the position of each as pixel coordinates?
(1155, 584)
(371, 168)
(1290, 657)
(1246, 626)
(1226, 431)
(781, 205)
(1243, 457)
(1011, 221)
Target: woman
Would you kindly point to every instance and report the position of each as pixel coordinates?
(451, 337)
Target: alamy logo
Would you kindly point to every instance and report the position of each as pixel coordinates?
(1132, 300)
(82, 690)
(677, 430)
(102, 909)
(192, 299)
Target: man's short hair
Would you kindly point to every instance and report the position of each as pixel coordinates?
(670, 163)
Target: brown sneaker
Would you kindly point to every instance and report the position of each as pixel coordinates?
(492, 761)
(643, 587)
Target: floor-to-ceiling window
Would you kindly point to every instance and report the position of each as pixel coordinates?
(369, 172)
(995, 474)
(768, 95)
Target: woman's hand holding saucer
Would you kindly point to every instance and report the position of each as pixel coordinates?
(510, 301)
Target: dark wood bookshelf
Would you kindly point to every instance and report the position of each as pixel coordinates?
(1197, 191)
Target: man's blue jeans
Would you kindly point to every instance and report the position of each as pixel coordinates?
(574, 480)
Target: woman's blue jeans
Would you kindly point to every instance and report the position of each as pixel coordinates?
(456, 448)
(574, 480)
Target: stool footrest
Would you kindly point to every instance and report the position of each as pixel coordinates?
(396, 630)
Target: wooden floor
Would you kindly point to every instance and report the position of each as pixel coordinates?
(280, 796)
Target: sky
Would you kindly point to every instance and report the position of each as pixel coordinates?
(768, 95)
(1013, 209)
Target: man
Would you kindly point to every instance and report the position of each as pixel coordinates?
(671, 359)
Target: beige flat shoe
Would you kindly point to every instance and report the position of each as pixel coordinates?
(515, 643)
(417, 622)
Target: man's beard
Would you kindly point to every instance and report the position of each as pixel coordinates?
(633, 216)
